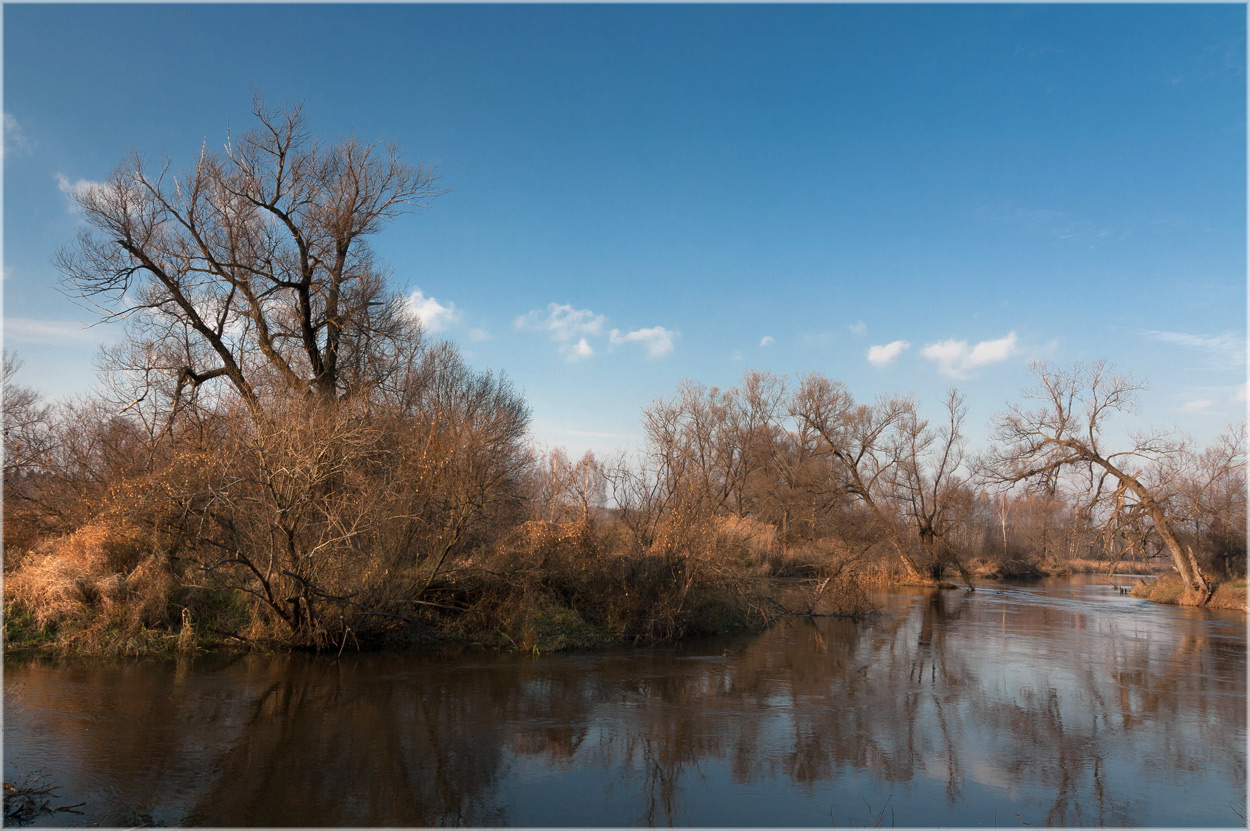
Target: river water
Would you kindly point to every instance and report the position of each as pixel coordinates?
(1058, 702)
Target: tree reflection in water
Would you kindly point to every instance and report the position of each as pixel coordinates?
(960, 709)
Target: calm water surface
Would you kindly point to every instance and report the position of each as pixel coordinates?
(1058, 702)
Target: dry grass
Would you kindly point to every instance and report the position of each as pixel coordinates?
(1230, 594)
(97, 589)
(552, 586)
(1081, 565)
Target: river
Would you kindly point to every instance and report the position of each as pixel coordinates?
(1056, 702)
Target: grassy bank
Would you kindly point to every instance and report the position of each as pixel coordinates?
(1229, 594)
(545, 587)
(1030, 568)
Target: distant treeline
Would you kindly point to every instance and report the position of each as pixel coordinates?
(283, 458)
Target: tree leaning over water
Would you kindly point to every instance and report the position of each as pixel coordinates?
(1142, 484)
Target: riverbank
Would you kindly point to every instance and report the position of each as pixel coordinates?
(619, 601)
(805, 724)
(559, 603)
(1170, 589)
(1017, 569)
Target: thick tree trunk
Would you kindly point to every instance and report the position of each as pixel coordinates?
(1196, 582)
(1199, 588)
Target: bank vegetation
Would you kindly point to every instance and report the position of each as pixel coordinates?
(282, 458)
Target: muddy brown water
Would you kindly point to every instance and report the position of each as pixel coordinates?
(1058, 702)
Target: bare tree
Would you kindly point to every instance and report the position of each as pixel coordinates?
(322, 457)
(252, 267)
(28, 440)
(26, 420)
(855, 440)
(1210, 500)
(1066, 431)
(928, 481)
(568, 491)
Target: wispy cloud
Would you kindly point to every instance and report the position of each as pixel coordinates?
(562, 322)
(1062, 225)
(479, 335)
(880, 356)
(27, 330)
(1227, 349)
(767, 340)
(957, 359)
(1223, 399)
(433, 315)
(74, 190)
(859, 327)
(15, 141)
(657, 340)
(1198, 405)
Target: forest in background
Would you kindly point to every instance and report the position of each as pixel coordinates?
(281, 457)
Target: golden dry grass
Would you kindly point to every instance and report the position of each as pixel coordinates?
(99, 579)
(1230, 594)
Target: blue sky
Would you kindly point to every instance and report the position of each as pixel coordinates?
(901, 197)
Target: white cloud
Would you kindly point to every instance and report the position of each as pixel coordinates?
(15, 140)
(74, 190)
(579, 351)
(1199, 405)
(26, 330)
(433, 315)
(657, 340)
(883, 355)
(859, 327)
(992, 351)
(562, 322)
(767, 340)
(956, 359)
(478, 335)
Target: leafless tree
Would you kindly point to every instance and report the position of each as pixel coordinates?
(568, 491)
(1066, 432)
(320, 455)
(252, 267)
(26, 420)
(27, 447)
(1210, 500)
(929, 483)
(855, 440)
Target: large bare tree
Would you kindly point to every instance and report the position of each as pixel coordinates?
(855, 440)
(253, 265)
(1066, 432)
(324, 459)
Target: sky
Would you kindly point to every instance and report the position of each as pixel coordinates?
(902, 197)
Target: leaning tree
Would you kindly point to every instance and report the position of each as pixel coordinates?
(1065, 432)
